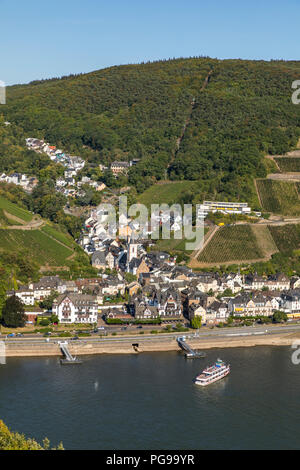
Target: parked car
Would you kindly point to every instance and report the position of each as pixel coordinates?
(11, 335)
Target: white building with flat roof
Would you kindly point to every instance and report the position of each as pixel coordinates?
(224, 208)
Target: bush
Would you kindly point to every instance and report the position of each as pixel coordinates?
(44, 322)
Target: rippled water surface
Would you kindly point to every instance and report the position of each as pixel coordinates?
(149, 401)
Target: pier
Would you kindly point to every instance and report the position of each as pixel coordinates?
(189, 352)
(68, 358)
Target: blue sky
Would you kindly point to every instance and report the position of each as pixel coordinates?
(43, 39)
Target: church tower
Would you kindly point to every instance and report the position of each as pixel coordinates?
(132, 250)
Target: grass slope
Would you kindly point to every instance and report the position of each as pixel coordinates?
(168, 193)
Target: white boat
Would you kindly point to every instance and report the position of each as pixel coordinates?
(213, 373)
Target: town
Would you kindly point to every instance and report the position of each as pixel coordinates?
(160, 292)
(136, 282)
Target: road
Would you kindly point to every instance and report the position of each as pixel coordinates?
(216, 333)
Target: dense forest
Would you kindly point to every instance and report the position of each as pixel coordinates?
(140, 111)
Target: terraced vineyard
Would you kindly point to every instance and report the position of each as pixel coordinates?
(279, 197)
(59, 236)
(233, 243)
(36, 243)
(286, 237)
(288, 164)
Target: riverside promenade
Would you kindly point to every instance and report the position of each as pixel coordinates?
(279, 335)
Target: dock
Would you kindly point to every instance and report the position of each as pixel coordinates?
(68, 358)
(189, 352)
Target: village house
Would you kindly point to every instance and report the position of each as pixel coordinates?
(217, 312)
(232, 281)
(118, 314)
(197, 310)
(144, 311)
(76, 308)
(24, 293)
(254, 282)
(206, 282)
(244, 305)
(278, 282)
(103, 259)
(32, 314)
(119, 167)
(291, 303)
(133, 288)
(46, 286)
(295, 283)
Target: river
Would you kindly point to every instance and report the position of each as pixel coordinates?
(149, 401)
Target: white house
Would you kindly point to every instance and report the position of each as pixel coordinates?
(76, 308)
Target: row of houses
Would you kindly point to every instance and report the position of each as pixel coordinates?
(100, 286)
(171, 293)
(68, 186)
(28, 183)
(73, 164)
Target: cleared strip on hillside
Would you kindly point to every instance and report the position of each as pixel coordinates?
(234, 243)
(288, 164)
(264, 240)
(15, 210)
(279, 197)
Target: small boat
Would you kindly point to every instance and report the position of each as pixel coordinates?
(213, 373)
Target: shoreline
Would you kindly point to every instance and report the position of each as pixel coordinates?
(126, 347)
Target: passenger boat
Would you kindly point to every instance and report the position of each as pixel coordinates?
(213, 373)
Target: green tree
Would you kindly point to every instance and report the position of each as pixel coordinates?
(196, 322)
(48, 301)
(13, 313)
(279, 317)
(228, 293)
(15, 441)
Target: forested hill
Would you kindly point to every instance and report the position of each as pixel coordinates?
(140, 111)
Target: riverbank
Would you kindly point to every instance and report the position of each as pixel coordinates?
(133, 346)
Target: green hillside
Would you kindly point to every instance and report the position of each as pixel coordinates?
(42, 242)
(198, 119)
(15, 210)
(36, 244)
(168, 193)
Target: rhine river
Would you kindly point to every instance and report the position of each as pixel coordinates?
(149, 401)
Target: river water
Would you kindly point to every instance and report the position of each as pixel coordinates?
(149, 401)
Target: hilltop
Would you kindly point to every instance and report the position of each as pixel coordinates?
(199, 119)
